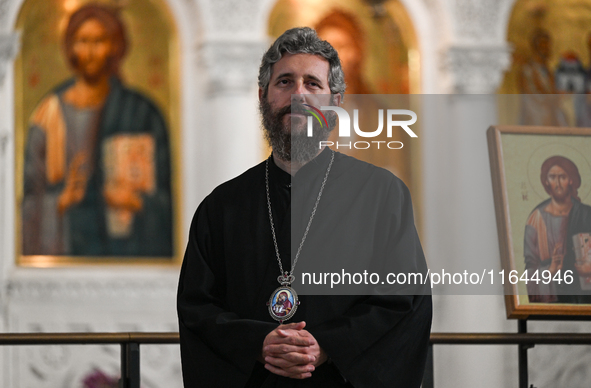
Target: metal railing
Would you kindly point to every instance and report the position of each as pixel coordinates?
(510, 339)
(130, 345)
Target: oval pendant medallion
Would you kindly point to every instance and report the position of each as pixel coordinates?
(283, 303)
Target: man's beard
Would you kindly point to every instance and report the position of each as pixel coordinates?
(290, 145)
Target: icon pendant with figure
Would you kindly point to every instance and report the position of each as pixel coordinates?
(283, 303)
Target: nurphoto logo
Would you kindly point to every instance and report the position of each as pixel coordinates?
(392, 121)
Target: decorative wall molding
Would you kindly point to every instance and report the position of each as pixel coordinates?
(67, 366)
(53, 288)
(475, 69)
(231, 66)
(478, 20)
(91, 300)
(9, 46)
(234, 16)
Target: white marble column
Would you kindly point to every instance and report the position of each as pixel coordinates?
(459, 213)
(229, 136)
(8, 51)
(230, 139)
(9, 44)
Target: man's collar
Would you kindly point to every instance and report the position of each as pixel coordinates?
(310, 170)
(277, 175)
(314, 167)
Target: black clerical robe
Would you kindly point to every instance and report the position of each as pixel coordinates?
(230, 270)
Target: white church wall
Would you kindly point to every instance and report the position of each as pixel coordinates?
(458, 204)
(220, 137)
(93, 299)
(459, 210)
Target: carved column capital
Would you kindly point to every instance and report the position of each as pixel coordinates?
(479, 20)
(233, 16)
(231, 67)
(53, 288)
(475, 69)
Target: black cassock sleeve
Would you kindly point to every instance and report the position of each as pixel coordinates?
(218, 347)
(382, 340)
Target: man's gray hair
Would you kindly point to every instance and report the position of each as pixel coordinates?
(303, 40)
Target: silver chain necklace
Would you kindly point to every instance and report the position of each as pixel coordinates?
(284, 300)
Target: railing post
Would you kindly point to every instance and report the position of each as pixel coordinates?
(123, 382)
(429, 376)
(130, 365)
(523, 348)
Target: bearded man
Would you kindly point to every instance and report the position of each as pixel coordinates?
(548, 242)
(241, 239)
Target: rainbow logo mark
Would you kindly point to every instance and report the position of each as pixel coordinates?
(315, 112)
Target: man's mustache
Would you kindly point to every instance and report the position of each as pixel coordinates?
(293, 108)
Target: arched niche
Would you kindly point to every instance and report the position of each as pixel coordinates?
(568, 26)
(551, 42)
(379, 50)
(386, 36)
